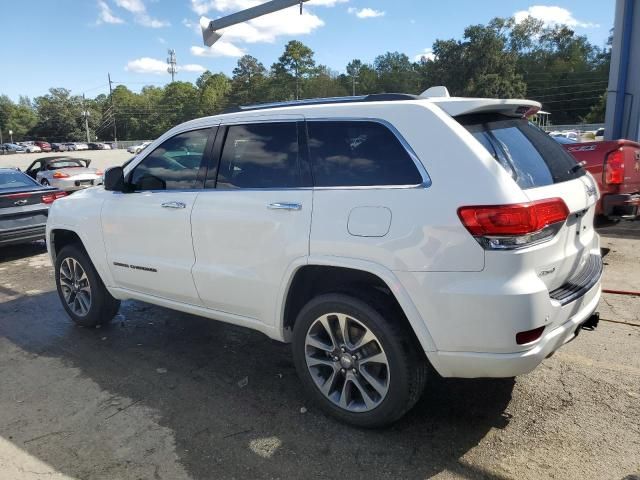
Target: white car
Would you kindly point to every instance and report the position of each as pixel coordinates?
(30, 147)
(138, 148)
(82, 146)
(378, 234)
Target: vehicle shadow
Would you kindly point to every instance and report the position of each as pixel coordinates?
(17, 252)
(224, 391)
(622, 229)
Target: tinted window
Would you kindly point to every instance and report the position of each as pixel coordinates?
(357, 154)
(10, 179)
(529, 155)
(260, 156)
(64, 164)
(174, 165)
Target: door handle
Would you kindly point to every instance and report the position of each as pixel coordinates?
(174, 205)
(284, 206)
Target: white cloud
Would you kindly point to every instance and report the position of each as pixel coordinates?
(140, 14)
(552, 15)
(221, 48)
(155, 66)
(105, 14)
(192, 67)
(162, 40)
(366, 12)
(426, 54)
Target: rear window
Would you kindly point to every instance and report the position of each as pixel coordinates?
(9, 179)
(529, 155)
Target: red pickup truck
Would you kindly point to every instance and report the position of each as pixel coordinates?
(616, 167)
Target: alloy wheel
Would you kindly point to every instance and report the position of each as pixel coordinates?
(347, 362)
(75, 286)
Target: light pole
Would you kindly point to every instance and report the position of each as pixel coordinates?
(11, 135)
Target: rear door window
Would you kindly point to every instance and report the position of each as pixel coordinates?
(529, 155)
(260, 156)
(358, 154)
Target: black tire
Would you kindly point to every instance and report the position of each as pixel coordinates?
(407, 364)
(103, 307)
(44, 182)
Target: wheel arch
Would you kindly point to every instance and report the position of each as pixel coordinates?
(314, 276)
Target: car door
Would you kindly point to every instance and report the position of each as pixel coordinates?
(254, 225)
(34, 168)
(147, 232)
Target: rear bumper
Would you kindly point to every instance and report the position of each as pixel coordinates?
(626, 205)
(477, 365)
(22, 235)
(72, 185)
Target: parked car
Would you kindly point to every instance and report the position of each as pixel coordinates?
(70, 146)
(318, 223)
(44, 146)
(138, 148)
(106, 146)
(599, 136)
(66, 173)
(10, 148)
(59, 147)
(564, 140)
(31, 147)
(99, 146)
(616, 167)
(81, 146)
(24, 205)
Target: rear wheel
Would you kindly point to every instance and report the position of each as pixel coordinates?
(45, 182)
(83, 295)
(358, 363)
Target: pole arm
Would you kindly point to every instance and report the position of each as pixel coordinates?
(210, 28)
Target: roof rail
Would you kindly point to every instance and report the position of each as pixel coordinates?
(375, 97)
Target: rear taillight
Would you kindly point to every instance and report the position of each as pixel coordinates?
(99, 173)
(52, 197)
(60, 175)
(502, 227)
(614, 168)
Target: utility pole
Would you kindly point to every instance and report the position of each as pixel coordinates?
(354, 79)
(113, 112)
(171, 61)
(85, 114)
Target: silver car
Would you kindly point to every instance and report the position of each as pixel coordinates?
(66, 173)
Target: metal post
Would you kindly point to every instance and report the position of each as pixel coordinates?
(85, 113)
(113, 112)
(171, 61)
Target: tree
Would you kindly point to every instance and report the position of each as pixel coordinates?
(59, 116)
(297, 63)
(324, 84)
(214, 90)
(248, 81)
(396, 73)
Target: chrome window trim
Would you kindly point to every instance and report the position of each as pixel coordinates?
(426, 179)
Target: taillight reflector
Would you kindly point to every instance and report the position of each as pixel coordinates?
(529, 336)
(60, 175)
(52, 197)
(614, 168)
(517, 219)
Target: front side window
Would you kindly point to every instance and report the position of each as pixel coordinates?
(174, 165)
(358, 153)
(260, 156)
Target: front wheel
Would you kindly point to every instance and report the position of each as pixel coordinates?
(357, 362)
(83, 295)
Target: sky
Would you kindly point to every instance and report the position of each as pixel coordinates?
(75, 43)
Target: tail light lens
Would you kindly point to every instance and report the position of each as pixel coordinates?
(49, 198)
(504, 227)
(60, 175)
(99, 173)
(529, 336)
(614, 168)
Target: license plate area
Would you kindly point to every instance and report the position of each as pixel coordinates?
(84, 183)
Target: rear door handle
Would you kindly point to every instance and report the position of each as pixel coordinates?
(174, 205)
(284, 206)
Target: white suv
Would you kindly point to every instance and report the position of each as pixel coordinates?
(379, 235)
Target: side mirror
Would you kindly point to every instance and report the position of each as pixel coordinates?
(114, 179)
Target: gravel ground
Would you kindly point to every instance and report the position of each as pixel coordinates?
(164, 395)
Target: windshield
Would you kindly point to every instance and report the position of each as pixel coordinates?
(528, 154)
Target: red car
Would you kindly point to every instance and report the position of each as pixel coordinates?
(44, 146)
(616, 167)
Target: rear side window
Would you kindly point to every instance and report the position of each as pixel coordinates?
(358, 153)
(529, 155)
(260, 156)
